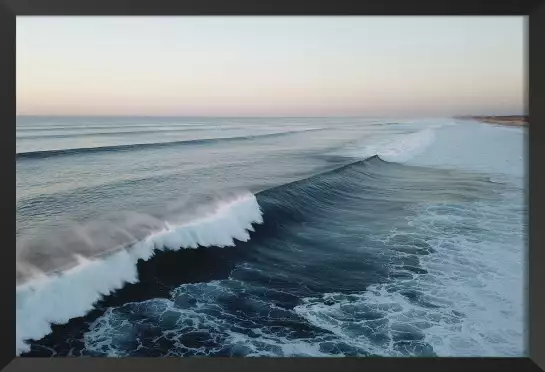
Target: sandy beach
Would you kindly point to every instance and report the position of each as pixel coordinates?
(513, 120)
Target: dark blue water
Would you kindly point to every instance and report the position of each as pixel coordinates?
(269, 237)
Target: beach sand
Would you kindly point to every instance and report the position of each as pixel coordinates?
(513, 120)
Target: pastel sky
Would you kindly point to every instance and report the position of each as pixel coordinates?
(270, 66)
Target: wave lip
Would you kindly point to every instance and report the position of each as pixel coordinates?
(48, 300)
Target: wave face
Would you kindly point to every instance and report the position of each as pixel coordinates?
(324, 275)
(44, 299)
(367, 238)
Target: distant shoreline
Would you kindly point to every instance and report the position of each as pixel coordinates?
(512, 120)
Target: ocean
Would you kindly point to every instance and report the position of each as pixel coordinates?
(275, 237)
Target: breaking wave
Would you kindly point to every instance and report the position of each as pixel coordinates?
(47, 299)
(427, 283)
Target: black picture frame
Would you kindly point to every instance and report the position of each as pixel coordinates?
(535, 20)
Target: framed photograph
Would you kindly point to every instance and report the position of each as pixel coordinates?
(245, 186)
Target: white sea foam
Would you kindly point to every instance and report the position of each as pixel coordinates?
(479, 147)
(481, 276)
(56, 299)
(399, 148)
(469, 301)
(203, 308)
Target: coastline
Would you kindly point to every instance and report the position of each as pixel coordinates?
(511, 120)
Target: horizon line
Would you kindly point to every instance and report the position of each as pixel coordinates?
(267, 116)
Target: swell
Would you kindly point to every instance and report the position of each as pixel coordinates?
(327, 234)
(89, 279)
(111, 133)
(139, 146)
(372, 181)
(77, 127)
(316, 238)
